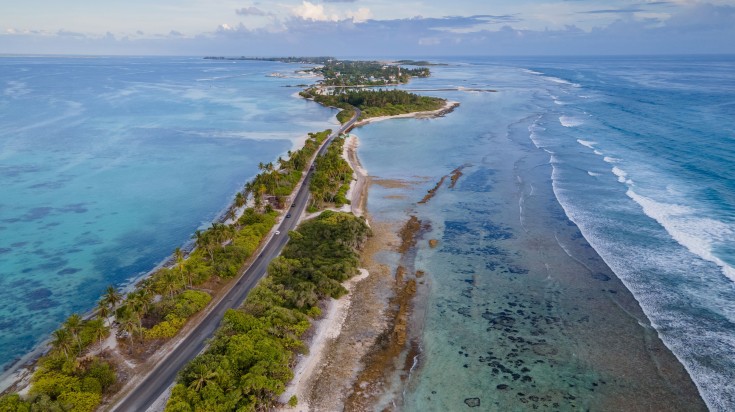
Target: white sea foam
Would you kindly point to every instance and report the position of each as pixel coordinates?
(569, 121)
(597, 152)
(587, 143)
(16, 89)
(532, 129)
(593, 174)
(698, 234)
(622, 175)
(609, 159)
(686, 335)
(532, 72)
(562, 81)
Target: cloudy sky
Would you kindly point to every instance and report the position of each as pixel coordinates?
(367, 27)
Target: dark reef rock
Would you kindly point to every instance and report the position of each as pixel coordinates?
(472, 402)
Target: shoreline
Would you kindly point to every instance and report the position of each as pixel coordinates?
(329, 327)
(346, 378)
(449, 106)
(326, 330)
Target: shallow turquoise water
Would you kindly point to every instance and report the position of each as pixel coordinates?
(108, 164)
(638, 154)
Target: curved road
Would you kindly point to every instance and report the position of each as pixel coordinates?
(163, 375)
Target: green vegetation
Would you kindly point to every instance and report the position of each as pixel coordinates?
(247, 365)
(302, 60)
(366, 73)
(274, 186)
(351, 73)
(65, 381)
(374, 103)
(407, 62)
(62, 381)
(162, 303)
(332, 176)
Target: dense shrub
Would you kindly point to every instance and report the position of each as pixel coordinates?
(247, 365)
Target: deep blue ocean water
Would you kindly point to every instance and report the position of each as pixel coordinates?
(638, 153)
(108, 164)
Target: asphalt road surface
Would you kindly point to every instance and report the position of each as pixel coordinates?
(163, 375)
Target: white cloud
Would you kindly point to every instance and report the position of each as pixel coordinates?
(311, 11)
(317, 12)
(360, 15)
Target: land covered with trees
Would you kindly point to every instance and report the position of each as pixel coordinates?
(272, 186)
(248, 363)
(366, 73)
(374, 103)
(331, 178)
(292, 59)
(352, 72)
(67, 377)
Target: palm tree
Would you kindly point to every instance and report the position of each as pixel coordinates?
(103, 311)
(98, 329)
(62, 341)
(111, 297)
(239, 199)
(138, 307)
(73, 325)
(221, 233)
(204, 241)
(203, 376)
(179, 256)
(188, 274)
(170, 283)
(129, 325)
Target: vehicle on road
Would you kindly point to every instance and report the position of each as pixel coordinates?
(278, 232)
(288, 215)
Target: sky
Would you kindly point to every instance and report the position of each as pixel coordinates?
(411, 28)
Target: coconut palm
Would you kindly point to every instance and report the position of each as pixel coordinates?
(137, 308)
(170, 283)
(179, 256)
(202, 376)
(188, 274)
(204, 240)
(129, 325)
(111, 297)
(98, 329)
(73, 325)
(62, 341)
(103, 311)
(240, 199)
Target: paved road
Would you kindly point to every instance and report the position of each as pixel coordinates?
(163, 375)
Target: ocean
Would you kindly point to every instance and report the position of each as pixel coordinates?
(592, 225)
(108, 164)
(577, 172)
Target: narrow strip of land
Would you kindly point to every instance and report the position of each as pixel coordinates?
(160, 378)
(441, 89)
